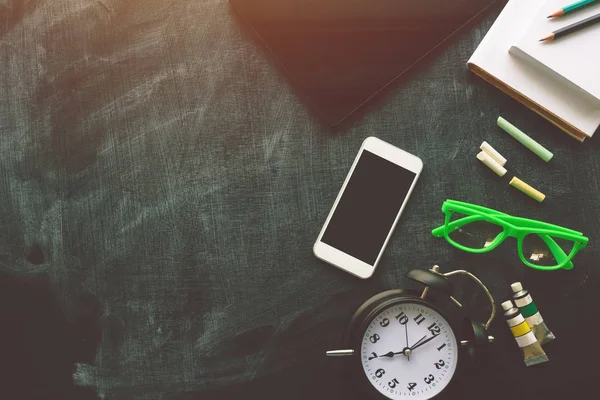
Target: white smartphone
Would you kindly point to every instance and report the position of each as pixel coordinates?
(368, 207)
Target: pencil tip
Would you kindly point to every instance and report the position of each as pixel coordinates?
(556, 13)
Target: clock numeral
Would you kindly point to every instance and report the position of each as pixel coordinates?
(429, 379)
(412, 386)
(373, 355)
(440, 364)
(374, 338)
(393, 383)
(434, 329)
(380, 372)
(402, 318)
(384, 322)
(442, 346)
(419, 319)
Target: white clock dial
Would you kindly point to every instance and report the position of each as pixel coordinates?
(409, 351)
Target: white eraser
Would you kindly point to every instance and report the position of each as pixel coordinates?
(491, 163)
(485, 146)
(507, 305)
(516, 287)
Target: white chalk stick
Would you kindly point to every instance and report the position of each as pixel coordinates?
(491, 163)
(485, 146)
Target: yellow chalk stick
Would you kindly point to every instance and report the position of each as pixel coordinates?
(528, 190)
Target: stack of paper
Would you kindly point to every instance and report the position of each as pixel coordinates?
(575, 59)
(555, 79)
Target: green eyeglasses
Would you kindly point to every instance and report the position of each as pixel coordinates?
(478, 229)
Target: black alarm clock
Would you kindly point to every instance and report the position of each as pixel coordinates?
(403, 346)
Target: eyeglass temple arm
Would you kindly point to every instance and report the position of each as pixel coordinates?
(475, 207)
(439, 231)
(452, 226)
(533, 224)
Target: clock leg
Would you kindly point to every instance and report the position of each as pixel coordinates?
(339, 353)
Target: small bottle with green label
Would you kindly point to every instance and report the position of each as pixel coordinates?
(532, 350)
(530, 312)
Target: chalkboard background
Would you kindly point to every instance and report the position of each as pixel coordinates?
(162, 185)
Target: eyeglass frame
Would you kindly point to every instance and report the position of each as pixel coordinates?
(516, 227)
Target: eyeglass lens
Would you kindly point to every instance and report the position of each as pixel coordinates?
(537, 252)
(477, 234)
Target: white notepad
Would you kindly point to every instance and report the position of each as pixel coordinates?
(575, 58)
(552, 98)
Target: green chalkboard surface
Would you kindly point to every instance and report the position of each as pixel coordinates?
(162, 185)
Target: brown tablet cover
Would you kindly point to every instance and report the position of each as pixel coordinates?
(341, 54)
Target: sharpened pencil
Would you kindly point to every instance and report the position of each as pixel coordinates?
(571, 8)
(577, 26)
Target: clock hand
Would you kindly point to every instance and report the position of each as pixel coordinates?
(423, 342)
(417, 343)
(406, 331)
(390, 354)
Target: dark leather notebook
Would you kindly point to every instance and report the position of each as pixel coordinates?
(341, 53)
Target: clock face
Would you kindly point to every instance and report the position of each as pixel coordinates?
(409, 351)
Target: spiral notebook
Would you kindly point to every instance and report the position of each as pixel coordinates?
(575, 112)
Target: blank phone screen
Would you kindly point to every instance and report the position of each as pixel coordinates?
(368, 207)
